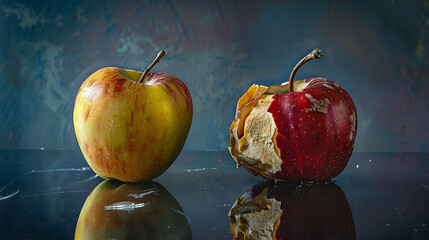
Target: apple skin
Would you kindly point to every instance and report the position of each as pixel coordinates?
(128, 130)
(315, 131)
(307, 211)
(315, 144)
(156, 213)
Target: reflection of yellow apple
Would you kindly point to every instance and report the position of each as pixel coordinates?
(116, 210)
(290, 211)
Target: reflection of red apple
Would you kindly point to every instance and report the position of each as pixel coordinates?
(300, 130)
(290, 211)
(116, 210)
(130, 125)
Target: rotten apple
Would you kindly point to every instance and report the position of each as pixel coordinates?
(301, 130)
(286, 210)
(116, 210)
(130, 125)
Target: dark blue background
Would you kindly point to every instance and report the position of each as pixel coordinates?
(376, 50)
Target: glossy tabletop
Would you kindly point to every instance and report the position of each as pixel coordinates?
(45, 193)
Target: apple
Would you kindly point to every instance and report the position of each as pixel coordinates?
(130, 125)
(116, 210)
(285, 210)
(301, 130)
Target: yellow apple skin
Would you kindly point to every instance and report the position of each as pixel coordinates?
(116, 210)
(128, 130)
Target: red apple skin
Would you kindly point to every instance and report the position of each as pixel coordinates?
(315, 139)
(128, 130)
(316, 133)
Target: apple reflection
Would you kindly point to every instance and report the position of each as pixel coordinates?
(116, 210)
(284, 210)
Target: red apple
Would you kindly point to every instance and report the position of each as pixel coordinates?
(301, 130)
(130, 125)
(290, 211)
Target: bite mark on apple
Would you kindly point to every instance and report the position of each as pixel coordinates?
(317, 105)
(258, 143)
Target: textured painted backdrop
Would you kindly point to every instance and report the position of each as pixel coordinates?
(377, 50)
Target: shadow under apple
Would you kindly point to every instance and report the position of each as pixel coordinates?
(116, 210)
(283, 210)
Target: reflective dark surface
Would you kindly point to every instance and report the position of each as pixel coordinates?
(287, 210)
(116, 210)
(43, 192)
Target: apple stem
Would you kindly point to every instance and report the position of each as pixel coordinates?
(155, 61)
(315, 54)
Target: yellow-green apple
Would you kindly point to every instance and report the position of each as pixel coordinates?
(116, 210)
(285, 210)
(130, 125)
(301, 130)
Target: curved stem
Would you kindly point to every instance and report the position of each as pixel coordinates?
(155, 61)
(315, 54)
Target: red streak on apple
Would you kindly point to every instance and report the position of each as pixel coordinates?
(87, 113)
(132, 117)
(179, 86)
(106, 90)
(143, 105)
(96, 151)
(185, 92)
(119, 85)
(169, 89)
